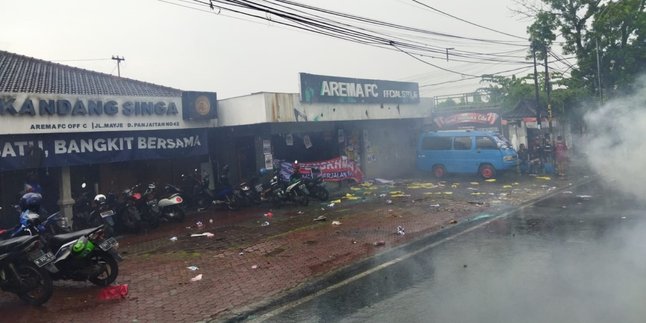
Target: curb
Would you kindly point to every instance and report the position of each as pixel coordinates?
(344, 273)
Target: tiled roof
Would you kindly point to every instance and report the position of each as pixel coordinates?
(22, 74)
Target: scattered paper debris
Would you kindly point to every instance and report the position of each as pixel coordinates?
(491, 180)
(435, 205)
(453, 221)
(196, 278)
(192, 268)
(320, 218)
(474, 183)
(173, 239)
(545, 178)
(204, 234)
(506, 186)
(584, 197)
(384, 181)
(379, 243)
(329, 205)
(336, 223)
(389, 201)
(254, 267)
(400, 230)
(269, 215)
(264, 224)
(300, 212)
(210, 220)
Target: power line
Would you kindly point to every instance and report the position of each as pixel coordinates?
(466, 21)
(80, 60)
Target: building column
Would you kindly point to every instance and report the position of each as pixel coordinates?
(66, 202)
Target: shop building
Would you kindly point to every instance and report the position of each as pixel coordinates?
(372, 123)
(61, 126)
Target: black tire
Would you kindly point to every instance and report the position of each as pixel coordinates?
(110, 268)
(232, 203)
(36, 284)
(487, 171)
(131, 219)
(439, 171)
(180, 213)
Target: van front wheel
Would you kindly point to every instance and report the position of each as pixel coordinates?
(439, 171)
(487, 171)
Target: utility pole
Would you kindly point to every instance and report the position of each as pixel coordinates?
(599, 74)
(118, 59)
(538, 108)
(548, 89)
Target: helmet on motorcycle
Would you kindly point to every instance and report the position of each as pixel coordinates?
(264, 171)
(100, 199)
(31, 201)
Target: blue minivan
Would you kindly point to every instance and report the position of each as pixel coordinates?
(464, 151)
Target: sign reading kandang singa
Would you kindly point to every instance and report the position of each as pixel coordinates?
(43, 113)
(334, 89)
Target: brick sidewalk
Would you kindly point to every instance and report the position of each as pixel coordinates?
(247, 263)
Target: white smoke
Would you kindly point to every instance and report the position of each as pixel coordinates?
(616, 144)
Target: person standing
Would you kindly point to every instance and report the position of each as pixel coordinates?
(560, 155)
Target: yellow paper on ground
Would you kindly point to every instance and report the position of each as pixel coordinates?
(396, 192)
(491, 180)
(356, 188)
(474, 183)
(506, 186)
(545, 178)
(336, 201)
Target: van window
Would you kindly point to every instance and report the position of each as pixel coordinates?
(436, 143)
(462, 143)
(486, 143)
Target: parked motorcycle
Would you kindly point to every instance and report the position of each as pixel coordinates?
(75, 255)
(196, 191)
(21, 269)
(315, 186)
(85, 255)
(225, 195)
(170, 204)
(90, 212)
(103, 209)
(126, 206)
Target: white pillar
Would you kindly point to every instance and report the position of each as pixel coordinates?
(66, 202)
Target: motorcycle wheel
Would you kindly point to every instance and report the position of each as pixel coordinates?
(131, 219)
(179, 213)
(109, 269)
(36, 284)
(322, 194)
(232, 203)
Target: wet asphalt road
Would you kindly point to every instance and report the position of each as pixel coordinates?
(576, 257)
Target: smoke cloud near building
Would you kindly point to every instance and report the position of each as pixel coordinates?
(615, 146)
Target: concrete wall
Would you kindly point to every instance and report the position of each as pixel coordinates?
(286, 107)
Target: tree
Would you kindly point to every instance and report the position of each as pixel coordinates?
(616, 29)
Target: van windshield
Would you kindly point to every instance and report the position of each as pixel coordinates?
(501, 142)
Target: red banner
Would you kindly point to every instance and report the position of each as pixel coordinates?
(332, 170)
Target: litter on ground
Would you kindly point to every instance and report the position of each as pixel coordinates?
(336, 223)
(204, 234)
(196, 278)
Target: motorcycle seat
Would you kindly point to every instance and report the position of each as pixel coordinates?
(60, 239)
(9, 244)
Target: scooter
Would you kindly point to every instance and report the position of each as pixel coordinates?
(171, 205)
(21, 269)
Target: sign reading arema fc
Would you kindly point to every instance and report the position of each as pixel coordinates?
(334, 89)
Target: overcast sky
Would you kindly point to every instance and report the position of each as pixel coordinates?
(234, 55)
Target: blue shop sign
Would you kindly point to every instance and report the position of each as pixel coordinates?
(69, 149)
